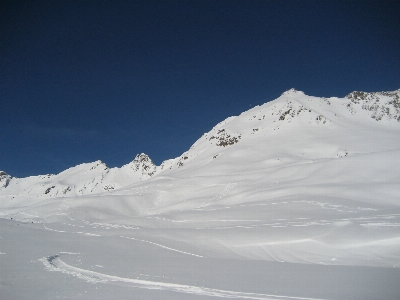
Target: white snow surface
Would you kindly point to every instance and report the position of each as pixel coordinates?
(298, 198)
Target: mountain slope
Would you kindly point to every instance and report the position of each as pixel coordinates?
(299, 179)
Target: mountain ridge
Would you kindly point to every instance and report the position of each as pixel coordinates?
(292, 108)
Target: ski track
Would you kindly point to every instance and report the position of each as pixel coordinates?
(162, 246)
(63, 231)
(125, 237)
(54, 263)
(47, 228)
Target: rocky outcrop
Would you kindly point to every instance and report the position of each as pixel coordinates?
(4, 179)
(143, 165)
(380, 104)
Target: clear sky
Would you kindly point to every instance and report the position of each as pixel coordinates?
(88, 80)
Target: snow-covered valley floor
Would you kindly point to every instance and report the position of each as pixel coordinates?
(80, 260)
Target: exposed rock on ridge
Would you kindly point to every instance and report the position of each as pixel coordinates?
(380, 104)
(143, 165)
(4, 179)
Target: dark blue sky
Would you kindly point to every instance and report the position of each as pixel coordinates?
(88, 80)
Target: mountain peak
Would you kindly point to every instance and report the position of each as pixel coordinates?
(292, 91)
(98, 164)
(144, 165)
(142, 157)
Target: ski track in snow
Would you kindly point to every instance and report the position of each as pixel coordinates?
(219, 196)
(47, 228)
(63, 231)
(54, 263)
(162, 246)
(125, 237)
(108, 225)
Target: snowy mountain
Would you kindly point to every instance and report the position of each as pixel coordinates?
(253, 126)
(300, 180)
(88, 178)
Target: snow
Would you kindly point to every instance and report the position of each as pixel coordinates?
(294, 199)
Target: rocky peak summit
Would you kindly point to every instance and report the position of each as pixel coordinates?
(143, 165)
(292, 91)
